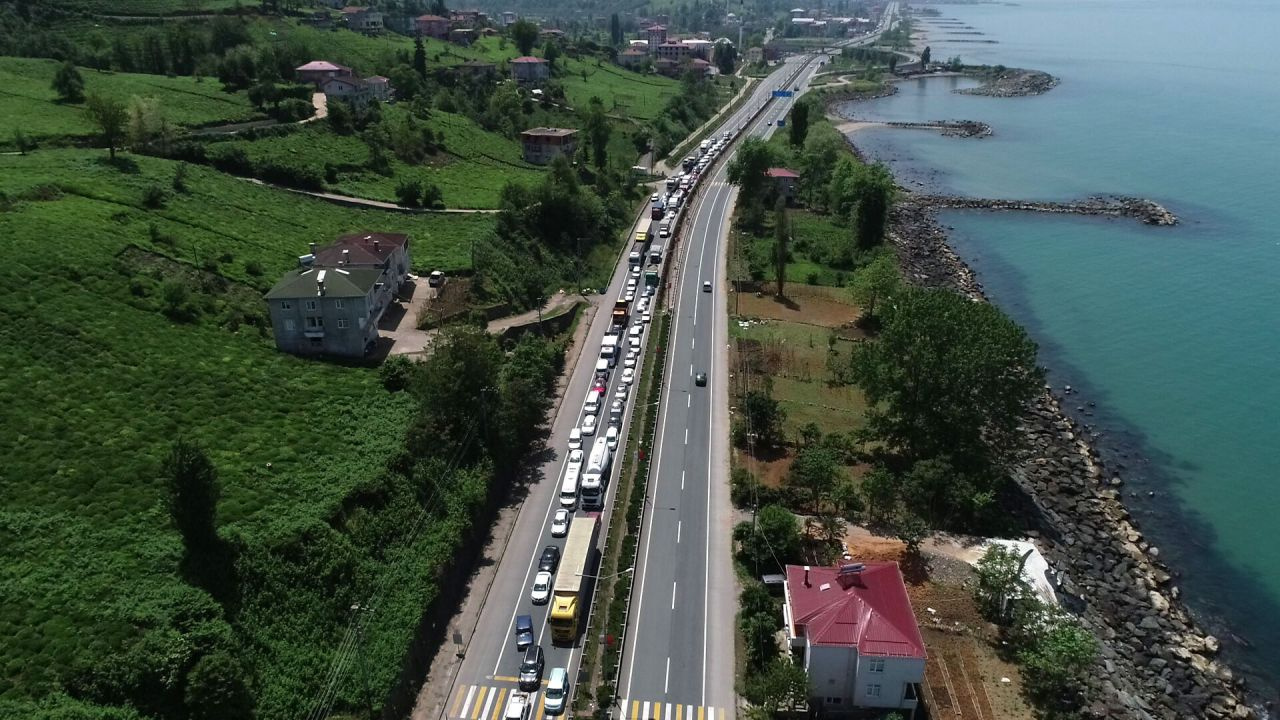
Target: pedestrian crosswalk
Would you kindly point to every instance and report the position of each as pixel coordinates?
(487, 702)
(647, 710)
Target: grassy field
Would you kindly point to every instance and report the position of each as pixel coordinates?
(27, 102)
(223, 215)
(470, 170)
(145, 7)
(99, 382)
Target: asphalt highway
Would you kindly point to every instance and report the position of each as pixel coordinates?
(678, 663)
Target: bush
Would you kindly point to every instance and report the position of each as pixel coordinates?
(433, 198)
(253, 267)
(292, 110)
(234, 160)
(395, 373)
(409, 192)
(154, 197)
(303, 177)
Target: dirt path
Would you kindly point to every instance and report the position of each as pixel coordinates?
(558, 302)
(352, 201)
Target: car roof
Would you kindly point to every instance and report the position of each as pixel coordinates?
(524, 621)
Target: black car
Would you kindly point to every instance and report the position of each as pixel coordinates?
(531, 668)
(700, 379)
(524, 631)
(550, 559)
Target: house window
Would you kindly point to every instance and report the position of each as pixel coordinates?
(875, 665)
(873, 690)
(289, 325)
(343, 323)
(315, 322)
(833, 701)
(286, 305)
(338, 304)
(311, 305)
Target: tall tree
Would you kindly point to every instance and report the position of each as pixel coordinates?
(877, 280)
(880, 491)
(781, 241)
(815, 470)
(598, 132)
(774, 540)
(524, 34)
(111, 117)
(615, 30)
(551, 53)
(726, 57)
(874, 189)
(68, 83)
(763, 415)
(419, 59)
(925, 55)
(799, 128)
(947, 376)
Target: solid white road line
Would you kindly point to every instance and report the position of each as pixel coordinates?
(666, 681)
(679, 524)
(673, 594)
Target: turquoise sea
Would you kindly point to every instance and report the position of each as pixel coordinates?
(1172, 335)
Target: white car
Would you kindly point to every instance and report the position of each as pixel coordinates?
(541, 591)
(611, 437)
(650, 290)
(636, 331)
(632, 282)
(635, 271)
(575, 439)
(636, 342)
(646, 316)
(560, 523)
(630, 362)
(621, 393)
(631, 295)
(628, 377)
(589, 424)
(575, 457)
(654, 198)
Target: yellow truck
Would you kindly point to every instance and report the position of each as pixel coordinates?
(572, 590)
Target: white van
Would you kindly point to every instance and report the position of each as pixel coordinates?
(603, 365)
(569, 487)
(592, 406)
(557, 691)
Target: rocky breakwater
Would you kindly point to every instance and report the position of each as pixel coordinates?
(1154, 662)
(1008, 82)
(1147, 211)
(948, 128)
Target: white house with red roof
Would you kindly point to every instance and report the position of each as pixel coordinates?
(854, 626)
(319, 71)
(784, 181)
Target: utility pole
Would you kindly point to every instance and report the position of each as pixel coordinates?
(364, 656)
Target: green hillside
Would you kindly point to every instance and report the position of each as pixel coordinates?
(28, 103)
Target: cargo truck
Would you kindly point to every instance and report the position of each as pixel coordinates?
(643, 233)
(621, 312)
(655, 252)
(572, 590)
(595, 476)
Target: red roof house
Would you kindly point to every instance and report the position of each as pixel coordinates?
(784, 181)
(530, 70)
(858, 635)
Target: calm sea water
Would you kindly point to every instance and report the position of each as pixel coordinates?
(1174, 333)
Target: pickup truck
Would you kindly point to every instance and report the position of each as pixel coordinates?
(517, 707)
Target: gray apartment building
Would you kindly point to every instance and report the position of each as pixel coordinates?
(332, 303)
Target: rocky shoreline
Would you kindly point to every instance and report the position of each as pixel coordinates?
(1154, 662)
(1008, 82)
(948, 128)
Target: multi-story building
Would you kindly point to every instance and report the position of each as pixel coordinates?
(331, 305)
(530, 70)
(542, 144)
(856, 635)
(656, 35)
(431, 26)
(320, 71)
(356, 90)
(363, 20)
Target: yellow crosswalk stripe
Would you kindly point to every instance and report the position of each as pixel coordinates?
(498, 706)
(479, 704)
(635, 709)
(700, 711)
(457, 701)
(542, 706)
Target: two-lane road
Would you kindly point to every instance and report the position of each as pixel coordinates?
(679, 654)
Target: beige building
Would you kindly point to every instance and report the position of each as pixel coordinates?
(542, 144)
